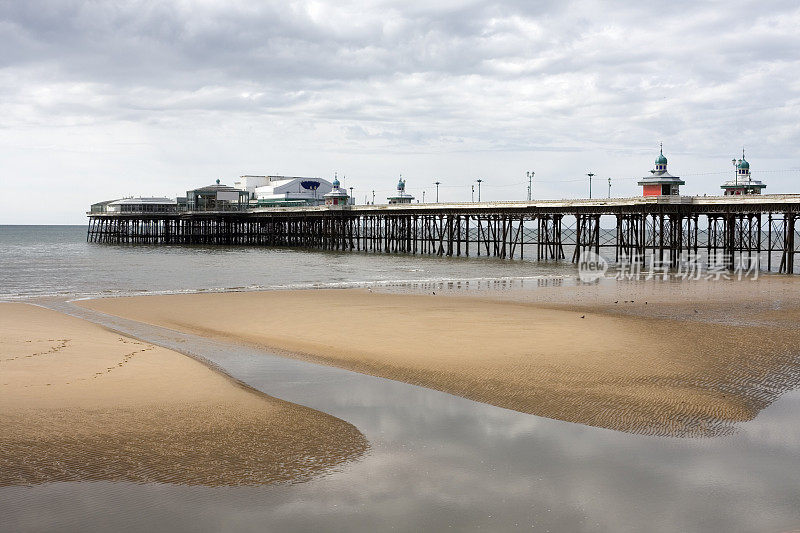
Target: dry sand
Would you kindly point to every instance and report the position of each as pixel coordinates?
(78, 402)
(586, 364)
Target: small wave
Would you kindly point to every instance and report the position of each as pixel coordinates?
(440, 282)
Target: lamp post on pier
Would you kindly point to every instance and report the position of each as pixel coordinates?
(437, 190)
(373, 196)
(352, 198)
(609, 187)
(530, 174)
(590, 174)
(479, 188)
(473, 194)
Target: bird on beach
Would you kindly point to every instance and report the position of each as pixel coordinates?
(616, 302)
(583, 316)
(434, 293)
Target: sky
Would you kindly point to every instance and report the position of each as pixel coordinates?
(100, 100)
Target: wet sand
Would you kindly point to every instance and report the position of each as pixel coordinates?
(81, 403)
(588, 361)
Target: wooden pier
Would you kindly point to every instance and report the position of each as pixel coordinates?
(663, 229)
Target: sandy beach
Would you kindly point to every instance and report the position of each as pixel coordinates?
(81, 403)
(585, 361)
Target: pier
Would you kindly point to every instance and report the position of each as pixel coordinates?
(661, 229)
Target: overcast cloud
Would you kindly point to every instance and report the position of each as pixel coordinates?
(103, 99)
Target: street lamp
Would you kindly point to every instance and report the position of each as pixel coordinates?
(473, 193)
(530, 183)
(423, 196)
(479, 189)
(609, 187)
(437, 190)
(373, 196)
(590, 174)
(352, 198)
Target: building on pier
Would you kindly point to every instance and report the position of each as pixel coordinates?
(660, 182)
(101, 207)
(216, 197)
(136, 205)
(337, 195)
(742, 182)
(284, 191)
(401, 197)
(143, 205)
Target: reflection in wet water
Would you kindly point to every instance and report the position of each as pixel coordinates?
(440, 461)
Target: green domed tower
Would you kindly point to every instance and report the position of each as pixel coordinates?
(743, 182)
(401, 197)
(661, 161)
(337, 196)
(661, 182)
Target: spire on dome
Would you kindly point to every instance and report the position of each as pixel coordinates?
(661, 160)
(743, 164)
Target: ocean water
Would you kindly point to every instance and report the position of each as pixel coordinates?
(38, 261)
(43, 261)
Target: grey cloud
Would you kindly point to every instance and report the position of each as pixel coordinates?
(398, 77)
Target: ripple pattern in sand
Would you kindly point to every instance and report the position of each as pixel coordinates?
(91, 405)
(213, 445)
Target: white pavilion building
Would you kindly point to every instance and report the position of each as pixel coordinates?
(743, 182)
(284, 190)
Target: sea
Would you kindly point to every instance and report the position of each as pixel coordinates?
(437, 462)
(56, 261)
